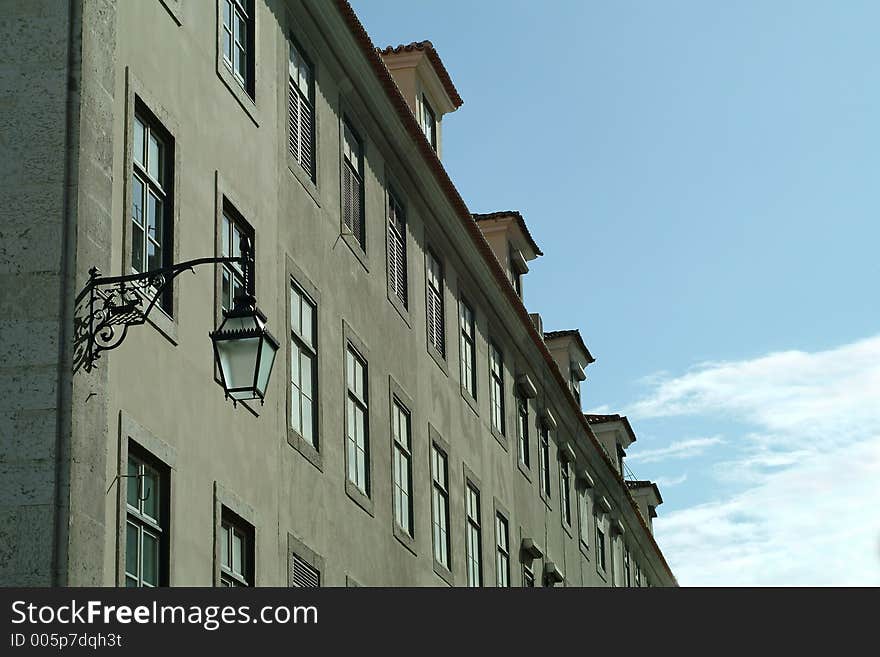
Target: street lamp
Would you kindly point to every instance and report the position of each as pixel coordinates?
(244, 350)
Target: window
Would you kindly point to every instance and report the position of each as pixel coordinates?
(565, 490)
(397, 249)
(353, 185)
(528, 576)
(146, 525)
(303, 574)
(236, 551)
(151, 198)
(626, 566)
(600, 545)
(502, 551)
(440, 505)
(584, 519)
(301, 111)
(232, 282)
(402, 467)
(638, 575)
(435, 313)
(429, 123)
(237, 41)
(496, 388)
(513, 273)
(468, 350)
(522, 428)
(474, 541)
(357, 424)
(575, 383)
(544, 435)
(303, 365)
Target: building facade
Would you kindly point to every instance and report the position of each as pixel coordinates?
(420, 428)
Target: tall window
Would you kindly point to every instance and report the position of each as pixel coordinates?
(397, 249)
(303, 365)
(429, 123)
(402, 467)
(513, 273)
(638, 575)
(496, 388)
(575, 383)
(502, 551)
(565, 490)
(440, 505)
(353, 185)
(151, 198)
(238, 39)
(468, 350)
(357, 423)
(584, 517)
(146, 526)
(474, 540)
(236, 551)
(301, 111)
(626, 566)
(600, 545)
(435, 312)
(303, 574)
(522, 429)
(232, 283)
(528, 576)
(544, 441)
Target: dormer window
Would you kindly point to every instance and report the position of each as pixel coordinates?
(575, 381)
(428, 121)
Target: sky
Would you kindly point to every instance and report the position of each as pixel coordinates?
(702, 177)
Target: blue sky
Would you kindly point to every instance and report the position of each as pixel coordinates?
(704, 176)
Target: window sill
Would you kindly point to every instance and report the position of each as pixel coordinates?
(305, 448)
(300, 174)
(355, 247)
(444, 573)
(524, 470)
(401, 309)
(359, 497)
(405, 539)
(164, 323)
(584, 548)
(501, 438)
(173, 7)
(241, 95)
(470, 400)
(602, 574)
(568, 529)
(546, 500)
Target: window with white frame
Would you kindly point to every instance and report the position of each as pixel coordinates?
(496, 388)
(232, 274)
(627, 575)
(357, 423)
(522, 428)
(544, 459)
(429, 122)
(565, 490)
(402, 466)
(435, 310)
(502, 551)
(152, 179)
(600, 545)
(584, 517)
(303, 365)
(474, 541)
(440, 505)
(353, 184)
(397, 249)
(468, 349)
(237, 40)
(146, 522)
(236, 551)
(301, 110)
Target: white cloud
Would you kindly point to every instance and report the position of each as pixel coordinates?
(681, 449)
(666, 482)
(807, 506)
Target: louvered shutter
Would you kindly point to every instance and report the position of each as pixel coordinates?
(397, 249)
(357, 224)
(347, 204)
(303, 575)
(293, 122)
(435, 306)
(306, 136)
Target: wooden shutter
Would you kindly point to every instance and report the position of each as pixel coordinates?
(397, 249)
(306, 136)
(303, 575)
(293, 123)
(436, 335)
(357, 225)
(347, 203)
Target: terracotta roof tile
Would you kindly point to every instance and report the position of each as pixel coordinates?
(428, 48)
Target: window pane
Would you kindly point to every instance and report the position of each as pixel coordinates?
(132, 550)
(224, 546)
(237, 550)
(138, 141)
(150, 559)
(306, 330)
(132, 483)
(150, 491)
(295, 311)
(307, 421)
(306, 375)
(154, 158)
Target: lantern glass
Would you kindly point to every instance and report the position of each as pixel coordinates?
(245, 353)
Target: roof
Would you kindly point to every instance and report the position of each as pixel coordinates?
(428, 48)
(646, 484)
(407, 118)
(614, 417)
(519, 218)
(574, 333)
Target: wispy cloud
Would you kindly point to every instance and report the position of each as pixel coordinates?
(806, 472)
(666, 482)
(681, 449)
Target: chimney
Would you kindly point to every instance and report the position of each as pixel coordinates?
(425, 85)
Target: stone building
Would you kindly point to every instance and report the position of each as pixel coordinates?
(420, 428)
